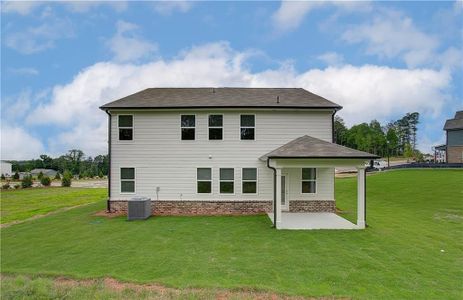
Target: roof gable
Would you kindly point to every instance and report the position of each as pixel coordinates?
(455, 123)
(163, 98)
(310, 147)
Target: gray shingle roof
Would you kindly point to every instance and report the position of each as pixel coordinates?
(222, 98)
(310, 147)
(455, 123)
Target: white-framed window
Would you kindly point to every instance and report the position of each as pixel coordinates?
(204, 180)
(127, 180)
(215, 123)
(227, 180)
(249, 181)
(247, 127)
(125, 124)
(308, 180)
(188, 125)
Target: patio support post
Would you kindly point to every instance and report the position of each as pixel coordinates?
(278, 199)
(361, 197)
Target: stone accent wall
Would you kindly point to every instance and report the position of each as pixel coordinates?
(227, 207)
(454, 154)
(201, 207)
(312, 206)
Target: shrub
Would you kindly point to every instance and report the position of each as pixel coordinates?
(45, 181)
(6, 186)
(16, 176)
(81, 176)
(27, 181)
(40, 176)
(2, 177)
(57, 177)
(67, 178)
(101, 174)
(17, 186)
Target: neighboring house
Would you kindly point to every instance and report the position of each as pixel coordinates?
(228, 151)
(47, 172)
(454, 141)
(6, 168)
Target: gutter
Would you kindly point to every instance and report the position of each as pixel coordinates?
(108, 203)
(332, 128)
(274, 192)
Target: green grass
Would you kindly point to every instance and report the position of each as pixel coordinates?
(412, 216)
(17, 205)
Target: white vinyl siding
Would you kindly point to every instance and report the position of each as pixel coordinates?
(163, 160)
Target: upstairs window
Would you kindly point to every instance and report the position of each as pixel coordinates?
(204, 180)
(227, 181)
(188, 123)
(215, 127)
(309, 180)
(247, 127)
(128, 180)
(249, 181)
(125, 123)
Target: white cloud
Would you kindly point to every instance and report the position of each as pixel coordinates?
(19, 7)
(168, 7)
(332, 58)
(39, 38)
(27, 7)
(127, 46)
(391, 35)
(291, 14)
(24, 71)
(366, 92)
(16, 143)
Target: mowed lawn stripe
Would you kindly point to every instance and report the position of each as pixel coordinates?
(412, 216)
(19, 205)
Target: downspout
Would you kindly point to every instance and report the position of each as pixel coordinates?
(274, 192)
(332, 127)
(108, 202)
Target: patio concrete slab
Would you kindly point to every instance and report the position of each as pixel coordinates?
(313, 221)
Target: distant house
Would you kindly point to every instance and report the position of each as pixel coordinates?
(231, 151)
(6, 168)
(47, 172)
(452, 151)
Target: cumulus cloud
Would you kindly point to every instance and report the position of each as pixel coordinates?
(17, 144)
(366, 92)
(390, 35)
(169, 7)
(126, 45)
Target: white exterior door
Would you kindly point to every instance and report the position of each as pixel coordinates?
(284, 192)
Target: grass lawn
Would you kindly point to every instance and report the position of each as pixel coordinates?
(412, 215)
(17, 205)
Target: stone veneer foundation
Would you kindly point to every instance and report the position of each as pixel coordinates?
(226, 207)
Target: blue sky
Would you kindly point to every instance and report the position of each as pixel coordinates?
(61, 60)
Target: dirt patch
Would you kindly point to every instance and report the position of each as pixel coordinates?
(163, 292)
(104, 213)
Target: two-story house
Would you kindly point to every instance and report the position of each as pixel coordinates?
(227, 151)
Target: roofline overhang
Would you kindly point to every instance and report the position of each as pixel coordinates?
(336, 108)
(323, 157)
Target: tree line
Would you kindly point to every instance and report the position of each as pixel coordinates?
(396, 138)
(75, 161)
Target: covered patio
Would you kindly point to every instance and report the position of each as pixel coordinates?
(311, 153)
